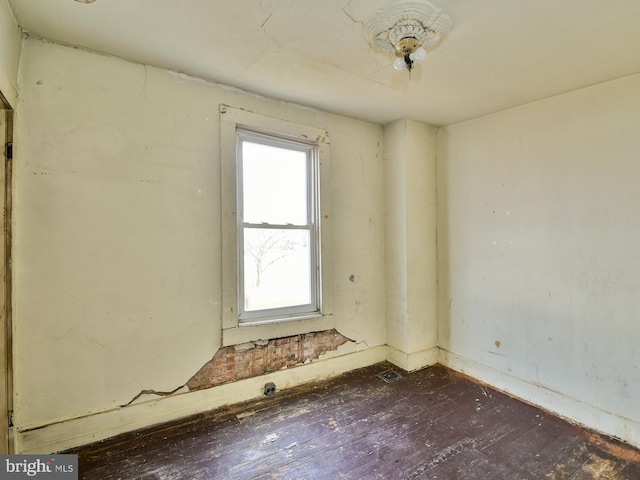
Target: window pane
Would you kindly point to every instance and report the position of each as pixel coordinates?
(274, 182)
(276, 268)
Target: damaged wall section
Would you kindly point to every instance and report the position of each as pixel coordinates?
(263, 356)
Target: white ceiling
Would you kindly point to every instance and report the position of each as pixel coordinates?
(499, 54)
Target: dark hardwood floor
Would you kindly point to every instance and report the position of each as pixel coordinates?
(430, 424)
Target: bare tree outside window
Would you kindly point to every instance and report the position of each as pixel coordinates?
(265, 250)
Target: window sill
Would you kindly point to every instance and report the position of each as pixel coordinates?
(249, 332)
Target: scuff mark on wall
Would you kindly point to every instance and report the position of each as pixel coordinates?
(265, 21)
(263, 356)
(144, 83)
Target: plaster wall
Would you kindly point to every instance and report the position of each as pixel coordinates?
(538, 233)
(118, 243)
(410, 243)
(10, 41)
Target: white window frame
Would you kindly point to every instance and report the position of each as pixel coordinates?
(238, 326)
(314, 307)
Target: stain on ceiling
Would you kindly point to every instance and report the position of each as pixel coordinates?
(499, 53)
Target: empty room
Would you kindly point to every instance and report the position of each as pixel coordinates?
(321, 239)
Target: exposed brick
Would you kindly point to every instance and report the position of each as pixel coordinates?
(251, 360)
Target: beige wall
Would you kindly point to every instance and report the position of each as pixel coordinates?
(539, 227)
(117, 234)
(10, 39)
(117, 247)
(410, 243)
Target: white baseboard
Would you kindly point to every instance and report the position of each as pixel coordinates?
(555, 402)
(92, 428)
(411, 362)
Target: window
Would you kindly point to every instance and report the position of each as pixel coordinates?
(278, 232)
(275, 227)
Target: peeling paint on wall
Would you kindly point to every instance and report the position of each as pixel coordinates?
(263, 356)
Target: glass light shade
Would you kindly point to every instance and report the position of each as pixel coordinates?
(399, 64)
(420, 54)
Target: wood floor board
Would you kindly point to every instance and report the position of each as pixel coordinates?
(527, 448)
(430, 424)
(321, 436)
(631, 471)
(570, 461)
(500, 471)
(467, 465)
(548, 457)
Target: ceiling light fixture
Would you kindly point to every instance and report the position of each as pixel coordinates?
(407, 29)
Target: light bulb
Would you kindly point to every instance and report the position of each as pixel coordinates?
(399, 64)
(419, 55)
